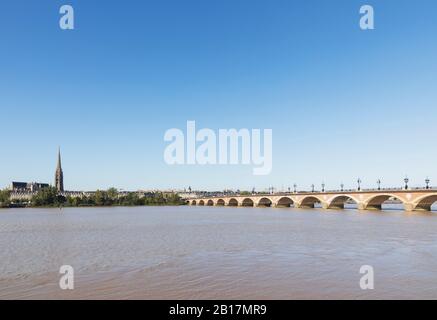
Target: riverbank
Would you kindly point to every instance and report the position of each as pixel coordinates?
(50, 197)
(23, 206)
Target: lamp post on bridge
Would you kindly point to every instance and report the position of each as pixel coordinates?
(295, 188)
(312, 187)
(379, 184)
(342, 186)
(323, 187)
(359, 184)
(289, 190)
(406, 182)
(427, 181)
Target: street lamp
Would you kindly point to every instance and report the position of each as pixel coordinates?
(379, 184)
(406, 182)
(312, 187)
(427, 181)
(342, 186)
(295, 188)
(289, 190)
(359, 184)
(323, 187)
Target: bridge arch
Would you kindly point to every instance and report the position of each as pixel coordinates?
(193, 203)
(375, 202)
(201, 202)
(424, 203)
(210, 203)
(264, 202)
(284, 202)
(247, 202)
(310, 201)
(233, 202)
(220, 202)
(339, 201)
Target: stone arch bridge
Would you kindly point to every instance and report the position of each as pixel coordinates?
(412, 200)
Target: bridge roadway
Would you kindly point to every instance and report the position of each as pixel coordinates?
(412, 200)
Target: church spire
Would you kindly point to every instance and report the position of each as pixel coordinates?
(59, 158)
(59, 175)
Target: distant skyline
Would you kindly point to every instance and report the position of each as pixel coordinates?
(342, 103)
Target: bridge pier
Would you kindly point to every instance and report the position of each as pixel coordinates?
(304, 205)
(420, 208)
(277, 205)
(361, 206)
(339, 206)
(372, 207)
(410, 207)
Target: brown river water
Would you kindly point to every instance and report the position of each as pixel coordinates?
(217, 253)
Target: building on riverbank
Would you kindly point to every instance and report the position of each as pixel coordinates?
(27, 186)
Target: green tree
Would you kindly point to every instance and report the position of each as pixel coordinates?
(48, 197)
(5, 198)
(112, 194)
(99, 198)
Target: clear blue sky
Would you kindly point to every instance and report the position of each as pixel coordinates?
(342, 102)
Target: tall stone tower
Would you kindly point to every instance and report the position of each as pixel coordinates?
(59, 176)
